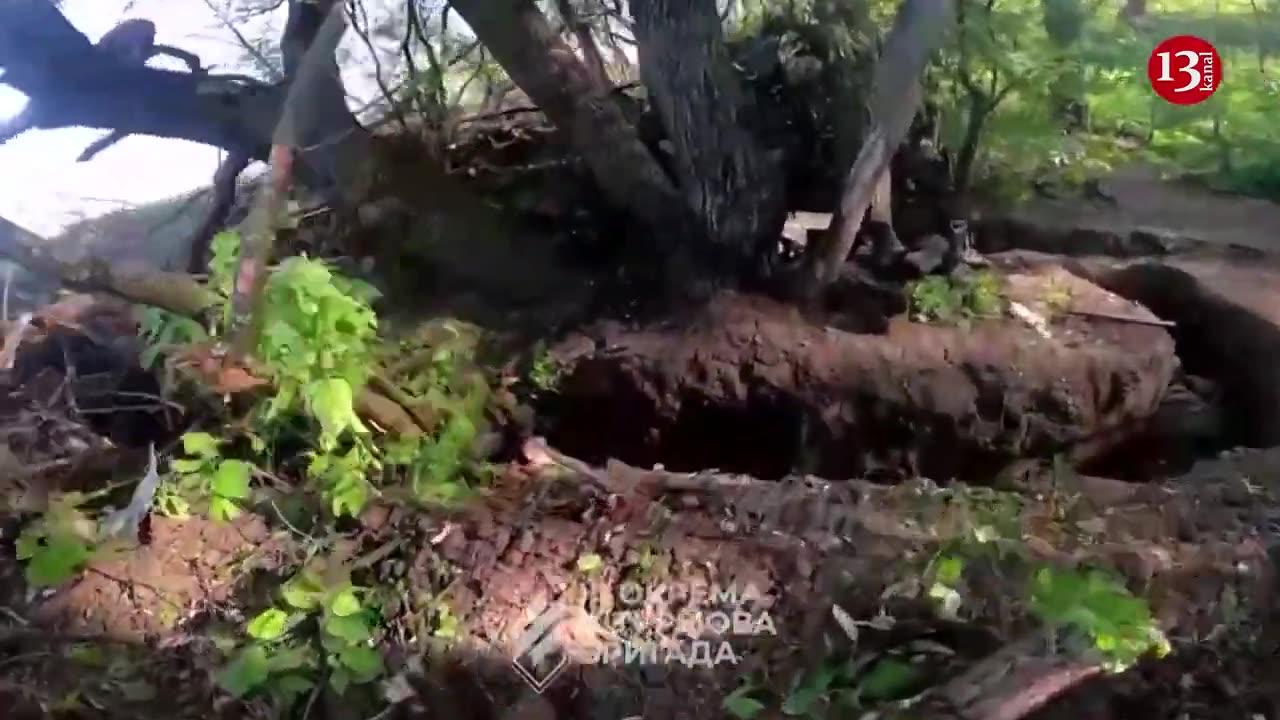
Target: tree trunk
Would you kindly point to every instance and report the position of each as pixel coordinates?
(896, 93)
(581, 30)
(733, 189)
(546, 69)
(979, 111)
(71, 83)
(332, 145)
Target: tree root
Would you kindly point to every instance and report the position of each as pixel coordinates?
(380, 401)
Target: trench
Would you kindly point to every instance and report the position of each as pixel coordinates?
(1229, 345)
(1222, 345)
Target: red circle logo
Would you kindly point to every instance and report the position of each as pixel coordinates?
(1184, 70)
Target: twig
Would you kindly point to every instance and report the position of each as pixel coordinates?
(1157, 322)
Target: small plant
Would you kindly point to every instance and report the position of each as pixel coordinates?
(60, 543)
(938, 298)
(324, 623)
(545, 371)
(162, 330)
(205, 473)
(1098, 605)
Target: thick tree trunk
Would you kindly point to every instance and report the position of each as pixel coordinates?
(545, 67)
(734, 190)
(896, 95)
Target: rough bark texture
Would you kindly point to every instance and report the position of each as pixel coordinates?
(546, 69)
(72, 83)
(750, 386)
(731, 186)
(896, 93)
(581, 30)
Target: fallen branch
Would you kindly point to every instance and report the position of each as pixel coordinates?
(1009, 684)
(1157, 322)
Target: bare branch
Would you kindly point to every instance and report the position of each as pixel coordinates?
(896, 93)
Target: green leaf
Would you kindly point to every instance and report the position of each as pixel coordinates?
(344, 603)
(290, 657)
(364, 662)
(332, 403)
(28, 543)
(231, 479)
(339, 680)
(270, 624)
(293, 685)
(888, 679)
(187, 466)
(740, 705)
(589, 563)
(804, 698)
(200, 443)
(246, 672)
(57, 561)
(223, 510)
(302, 592)
(350, 628)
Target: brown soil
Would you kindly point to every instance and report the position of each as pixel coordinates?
(750, 386)
(136, 636)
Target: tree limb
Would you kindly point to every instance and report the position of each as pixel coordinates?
(523, 42)
(224, 198)
(896, 93)
(101, 144)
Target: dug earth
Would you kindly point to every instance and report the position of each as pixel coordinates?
(747, 385)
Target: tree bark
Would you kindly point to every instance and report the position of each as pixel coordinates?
(896, 93)
(734, 190)
(546, 69)
(581, 30)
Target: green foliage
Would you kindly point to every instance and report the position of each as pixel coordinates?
(59, 544)
(1003, 70)
(204, 473)
(545, 372)
(1097, 604)
(939, 298)
(1119, 625)
(162, 330)
(322, 624)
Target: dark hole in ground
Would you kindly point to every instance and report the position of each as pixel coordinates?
(116, 398)
(1229, 345)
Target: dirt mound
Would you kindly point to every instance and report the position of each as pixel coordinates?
(751, 386)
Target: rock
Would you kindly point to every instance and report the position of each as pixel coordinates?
(747, 385)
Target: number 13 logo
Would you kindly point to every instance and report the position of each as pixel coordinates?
(1184, 70)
